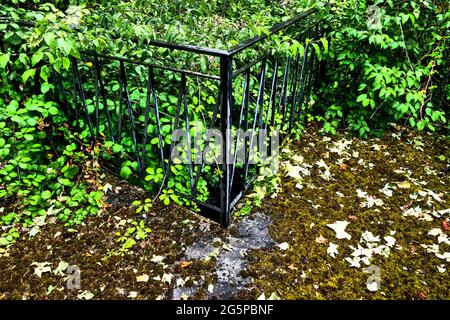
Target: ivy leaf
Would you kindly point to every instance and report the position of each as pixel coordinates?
(125, 172)
(421, 125)
(46, 195)
(361, 97)
(45, 87)
(173, 99)
(53, 111)
(117, 148)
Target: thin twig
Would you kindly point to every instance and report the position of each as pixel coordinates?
(406, 49)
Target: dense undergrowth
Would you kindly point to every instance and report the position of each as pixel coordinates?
(392, 69)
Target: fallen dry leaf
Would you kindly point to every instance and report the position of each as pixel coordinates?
(185, 264)
(343, 166)
(143, 278)
(292, 267)
(321, 239)
(332, 250)
(352, 218)
(373, 286)
(422, 295)
(404, 185)
(41, 268)
(339, 228)
(283, 246)
(446, 225)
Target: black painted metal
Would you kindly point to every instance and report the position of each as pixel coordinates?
(274, 95)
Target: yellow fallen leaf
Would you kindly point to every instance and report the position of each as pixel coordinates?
(143, 278)
(404, 185)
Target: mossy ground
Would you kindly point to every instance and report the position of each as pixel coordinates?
(304, 271)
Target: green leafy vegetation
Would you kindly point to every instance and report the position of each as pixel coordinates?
(388, 62)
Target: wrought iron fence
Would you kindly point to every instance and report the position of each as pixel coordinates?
(140, 105)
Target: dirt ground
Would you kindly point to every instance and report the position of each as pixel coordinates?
(352, 219)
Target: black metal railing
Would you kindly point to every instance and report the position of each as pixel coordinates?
(138, 105)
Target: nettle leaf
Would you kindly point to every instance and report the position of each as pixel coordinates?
(66, 63)
(4, 59)
(24, 59)
(28, 74)
(37, 57)
(64, 45)
(44, 73)
(324, 44)
(317, 49)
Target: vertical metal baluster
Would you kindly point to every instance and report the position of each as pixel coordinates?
(246, 105)
(60, 92)
(97, 101)
(284, 88)
(305, 68)
(258, 101)
(82, 96)
(211, 126)
(146, 117)
(158, 119)
(176, 121)
(241, 116)
(120, 116)
(308, 92)
(103, 94)
(130, 113)
(226, 83)
(273, 92)
(294, 92)
(75, 97)
(261, 93)
(189, 143)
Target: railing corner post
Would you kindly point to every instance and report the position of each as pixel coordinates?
(226, 88)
